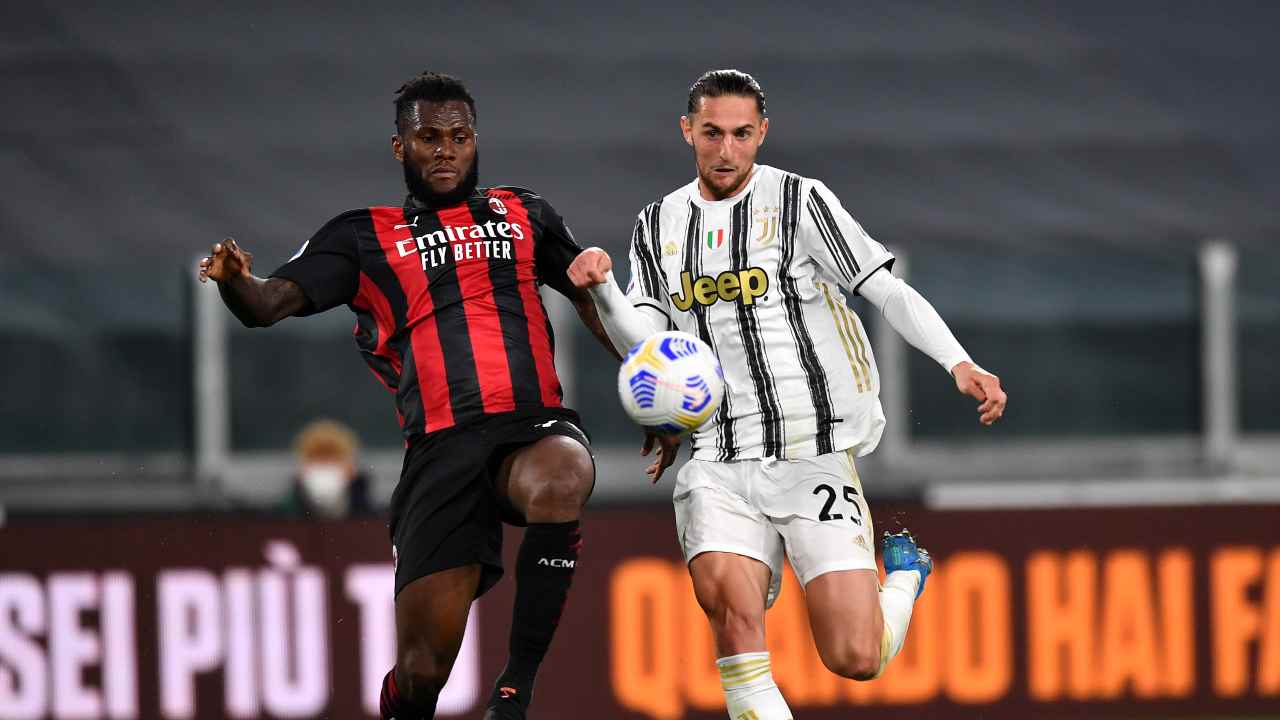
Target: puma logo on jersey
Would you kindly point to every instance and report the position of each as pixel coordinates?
(557, 562)
(745, 285)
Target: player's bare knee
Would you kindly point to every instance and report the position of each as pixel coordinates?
(555, 495)
(865, 666)
(558, 477)
(858, 660)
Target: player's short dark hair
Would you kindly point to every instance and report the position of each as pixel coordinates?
(715, 83)
(432, 87)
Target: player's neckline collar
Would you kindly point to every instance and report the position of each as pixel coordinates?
(411, 202)
(696, 193)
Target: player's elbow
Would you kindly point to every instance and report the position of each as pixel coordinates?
(248, 320)
(270, 319)
(256, 320)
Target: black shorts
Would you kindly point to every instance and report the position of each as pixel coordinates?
(445, 512)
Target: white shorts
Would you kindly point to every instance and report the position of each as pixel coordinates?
(811, 508)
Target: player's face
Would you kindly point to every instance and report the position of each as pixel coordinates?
(726, 133)
(437, 144)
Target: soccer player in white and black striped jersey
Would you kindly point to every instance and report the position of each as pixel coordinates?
(753, 259)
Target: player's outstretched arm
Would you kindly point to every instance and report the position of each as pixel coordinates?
(254, 301)
(915, 319)
(623, 323)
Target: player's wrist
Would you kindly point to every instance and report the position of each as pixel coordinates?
(961, 366)
(606, 293)
(230, 279)
(245, 271)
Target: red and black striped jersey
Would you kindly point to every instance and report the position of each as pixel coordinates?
(448, 313)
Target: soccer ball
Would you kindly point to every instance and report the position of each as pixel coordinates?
(671, 382)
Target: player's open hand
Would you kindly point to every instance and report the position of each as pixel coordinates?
(226, 260)
(668, 446)
(982, 386)
(590, 268)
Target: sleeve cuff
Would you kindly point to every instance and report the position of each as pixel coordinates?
(883, 260)
(307, 292)
(650, 303)
(950, 362)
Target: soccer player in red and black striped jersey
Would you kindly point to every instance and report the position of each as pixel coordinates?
(449, 318)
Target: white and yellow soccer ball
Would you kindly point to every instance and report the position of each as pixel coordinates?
(671, 382)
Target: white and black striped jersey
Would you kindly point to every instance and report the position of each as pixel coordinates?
(758, 277)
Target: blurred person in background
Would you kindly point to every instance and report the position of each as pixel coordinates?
(444, 287)
(328, 483)
(752, 259)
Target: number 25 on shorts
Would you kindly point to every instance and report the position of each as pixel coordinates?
(850, 496)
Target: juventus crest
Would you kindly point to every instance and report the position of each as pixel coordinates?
(766, 222)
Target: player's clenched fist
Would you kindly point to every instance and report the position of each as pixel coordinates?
(590, 268)
(225, 261)
(984, 387)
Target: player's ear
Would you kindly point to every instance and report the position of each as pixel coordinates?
(397, 147)
(764, 130)
(686, 129)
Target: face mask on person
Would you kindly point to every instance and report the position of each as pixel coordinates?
(326, 487)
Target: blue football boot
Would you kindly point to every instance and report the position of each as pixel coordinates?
(900, 552)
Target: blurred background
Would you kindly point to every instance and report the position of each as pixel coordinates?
(1086, 191)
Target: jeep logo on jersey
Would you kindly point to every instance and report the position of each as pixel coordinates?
(556, 562)
(746, 285)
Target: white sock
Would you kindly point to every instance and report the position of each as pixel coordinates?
(749, 690)
(897, 599)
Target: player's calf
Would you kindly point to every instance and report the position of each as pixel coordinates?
(431, 618)
(731, 590)
(734, 630)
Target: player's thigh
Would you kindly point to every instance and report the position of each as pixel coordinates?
(431, 618)
(844, 611)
